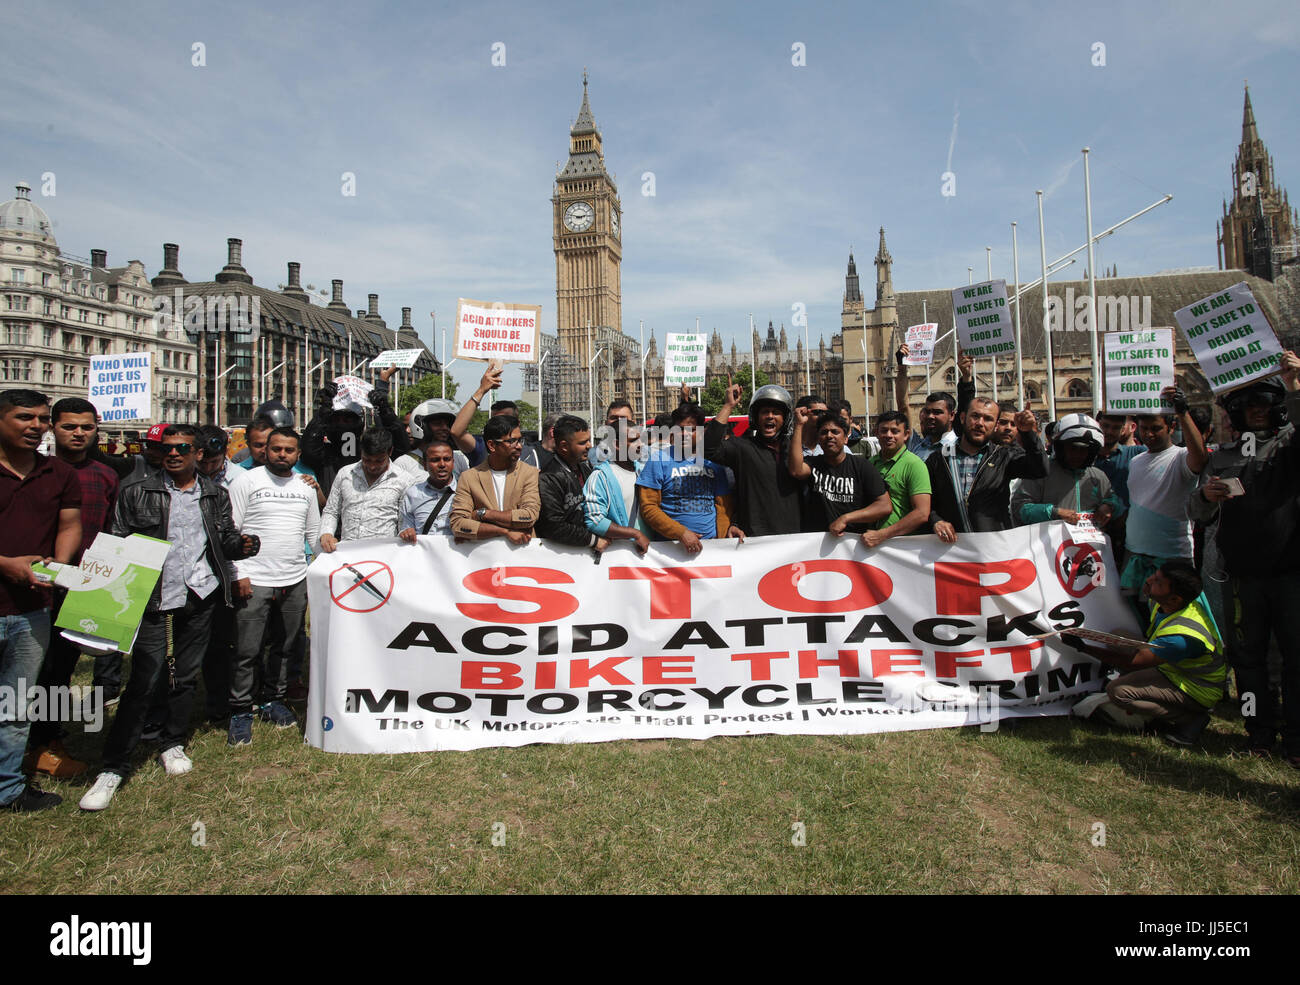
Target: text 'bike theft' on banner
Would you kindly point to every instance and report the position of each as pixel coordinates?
(983, 321)
(442, 646)
(1230, 338)
(493, 330)
(1138, 366)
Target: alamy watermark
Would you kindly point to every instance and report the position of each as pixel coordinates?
(1115, 313)
(64, 703)
(214, 314)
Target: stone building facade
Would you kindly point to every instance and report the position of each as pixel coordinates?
(60, 309)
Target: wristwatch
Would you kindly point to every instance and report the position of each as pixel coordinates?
(480, 513)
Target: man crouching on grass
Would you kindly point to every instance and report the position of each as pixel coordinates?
(1180, 674)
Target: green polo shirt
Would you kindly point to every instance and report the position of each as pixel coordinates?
(905, 475)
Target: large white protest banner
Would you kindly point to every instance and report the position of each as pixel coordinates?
(1138, 366)
(443, 646)
(121, 386)
(494, 330)
(920, 344)
(1230, 338)
(983, 320)
(684, 358)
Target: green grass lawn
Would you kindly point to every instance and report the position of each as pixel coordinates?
(944, 811)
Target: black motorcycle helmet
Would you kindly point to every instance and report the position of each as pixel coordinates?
(1269, 392)
(276, 412)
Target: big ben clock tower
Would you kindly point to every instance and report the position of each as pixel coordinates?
(588, 247)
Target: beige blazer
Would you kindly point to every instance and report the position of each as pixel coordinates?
(474, 489)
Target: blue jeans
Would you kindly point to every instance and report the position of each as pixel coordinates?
(23, 640)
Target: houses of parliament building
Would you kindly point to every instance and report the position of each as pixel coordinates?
(592, 360)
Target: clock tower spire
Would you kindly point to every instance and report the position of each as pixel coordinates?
(587, 239)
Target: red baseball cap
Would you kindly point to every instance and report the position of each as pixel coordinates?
(155, 433)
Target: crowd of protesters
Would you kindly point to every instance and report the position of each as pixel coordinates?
(1205, 533)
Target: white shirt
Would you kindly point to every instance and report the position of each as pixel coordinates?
(359, 509)
(627, 485)
(283, 512)
(499, 483)
(1158, 487)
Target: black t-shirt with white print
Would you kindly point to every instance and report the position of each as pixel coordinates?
(833, 490)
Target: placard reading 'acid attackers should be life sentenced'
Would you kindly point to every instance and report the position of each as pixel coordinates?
(494, 330)
(1138, 366)
(983, 320)
(684, 357)
(1230, 338)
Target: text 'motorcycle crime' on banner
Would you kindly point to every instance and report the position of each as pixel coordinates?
(441, 646)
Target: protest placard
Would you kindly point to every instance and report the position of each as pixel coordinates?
(488, 330)
(920, 344)
(108, 592)
(121, 386)
(401, 358)
(1230, 338)
(1138, 366)
(352, 391)
(684, 359)
(983, 320)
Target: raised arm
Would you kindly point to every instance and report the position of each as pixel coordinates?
(460, 427)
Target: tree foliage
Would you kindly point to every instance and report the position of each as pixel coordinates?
(711, 396)
(429, 388)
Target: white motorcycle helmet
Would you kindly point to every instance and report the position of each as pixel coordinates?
(1073, 429)
(428, 409)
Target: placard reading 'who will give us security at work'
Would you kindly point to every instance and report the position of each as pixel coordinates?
(983, 320)
(1138, 366)
(1230, 338)
(121, 386)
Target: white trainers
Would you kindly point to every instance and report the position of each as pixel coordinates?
(175, 762)
(100, 795)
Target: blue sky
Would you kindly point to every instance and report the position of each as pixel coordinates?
(765, 173)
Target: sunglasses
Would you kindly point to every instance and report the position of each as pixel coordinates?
(508, 441)
(180, 448)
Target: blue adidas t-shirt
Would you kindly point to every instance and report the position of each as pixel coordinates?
(687, 489)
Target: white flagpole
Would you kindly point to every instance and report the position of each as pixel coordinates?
(1047, 319)
(993, 360)
(645, 402)
(1092, 284)
(1020, 364)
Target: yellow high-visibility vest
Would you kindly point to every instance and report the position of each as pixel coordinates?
(1205, 678)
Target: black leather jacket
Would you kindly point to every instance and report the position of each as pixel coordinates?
(988, 507)
(144, 507)
(560, 488)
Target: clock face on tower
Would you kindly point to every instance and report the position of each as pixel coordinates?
(579, 216)
(613, 220)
